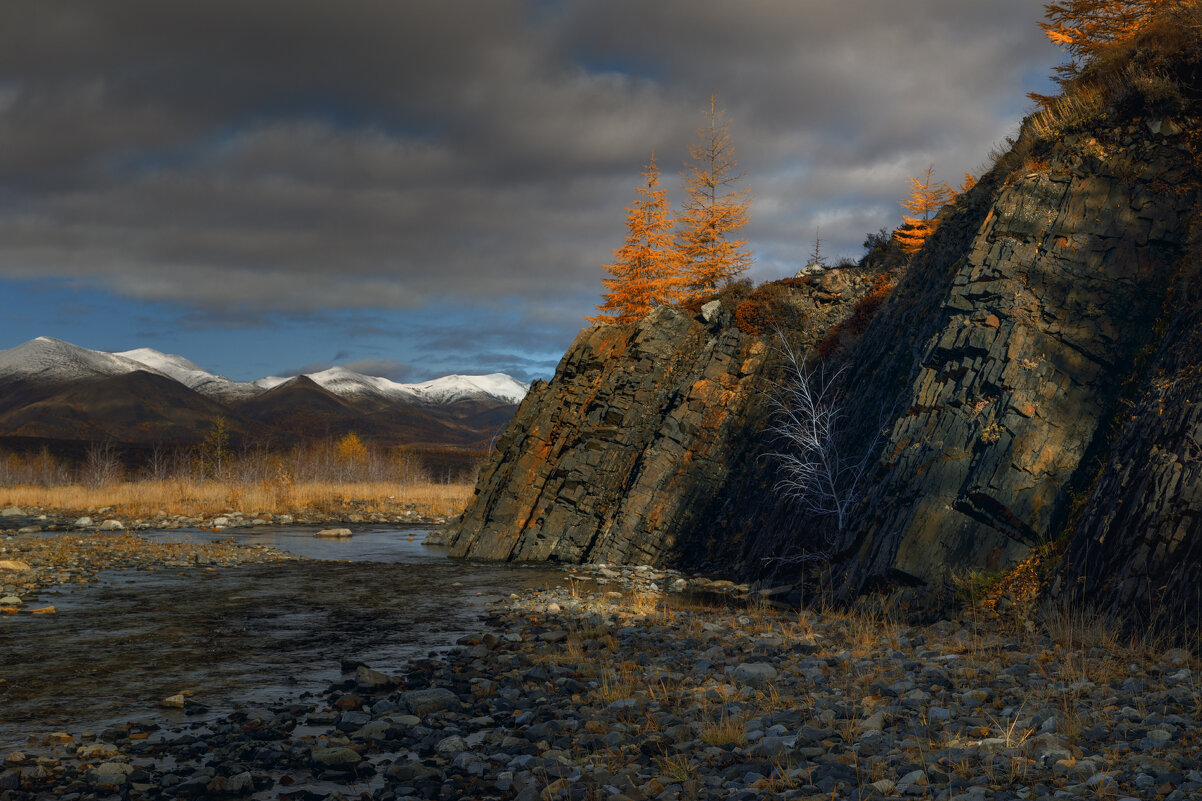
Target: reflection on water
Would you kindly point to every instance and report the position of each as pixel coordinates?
(248, 634)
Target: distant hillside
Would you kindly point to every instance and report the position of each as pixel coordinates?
(55, 392)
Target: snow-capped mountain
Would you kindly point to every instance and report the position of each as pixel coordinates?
(453, 388)
(55, 391)
(448, 389)
(51, 360)
(189, 373)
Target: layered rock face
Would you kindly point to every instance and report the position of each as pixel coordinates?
(1046, 285)
(638, 431)
(1138, 546)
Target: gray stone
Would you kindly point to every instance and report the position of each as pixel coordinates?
(710, 310)
(752, 672)
(12, 511)
(112, 525)
(335, 757)
(435, 699)
(369, 679)
(450, 746)
(334, 533)
(83, 522)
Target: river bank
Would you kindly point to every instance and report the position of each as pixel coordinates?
(167, 504)
(613, 691)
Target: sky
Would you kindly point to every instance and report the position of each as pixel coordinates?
(422, 187)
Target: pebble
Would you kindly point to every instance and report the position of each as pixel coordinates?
(625, 697)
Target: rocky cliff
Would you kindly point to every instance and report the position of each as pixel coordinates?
(626, 448)
(1031, 381)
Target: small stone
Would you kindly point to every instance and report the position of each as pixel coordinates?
(13, 565)
(336, 757)
(12, 511)
(435, 699)
(333, 533)
(112, 525)
(10, 600)
(83, 522)
(874, 722)
(370, 679)
(44, 610)
(450, 746)
(178, 701)
(752, 672)
(1174, 656)
(240, 784)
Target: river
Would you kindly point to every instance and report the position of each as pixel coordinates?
(245, 635)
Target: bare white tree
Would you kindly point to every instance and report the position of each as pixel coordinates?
(809, 425)
(101, 465)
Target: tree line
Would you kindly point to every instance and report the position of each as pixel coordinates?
(670, 258)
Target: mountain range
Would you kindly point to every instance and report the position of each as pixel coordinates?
(51, 390)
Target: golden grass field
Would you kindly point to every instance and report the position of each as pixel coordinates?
(194, 498)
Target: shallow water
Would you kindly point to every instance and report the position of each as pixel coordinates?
(242, 635)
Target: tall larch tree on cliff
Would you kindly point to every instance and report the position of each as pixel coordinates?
(715, 208)
(925, 200)
(646, 269)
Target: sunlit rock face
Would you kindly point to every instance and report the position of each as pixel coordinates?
(629, 445)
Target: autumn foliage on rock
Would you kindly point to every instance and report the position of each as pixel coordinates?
(1086, 28)
(646, 270)
(668, 260)
(925, 200)
(715, 208)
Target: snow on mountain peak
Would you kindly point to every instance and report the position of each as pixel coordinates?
(49, 359)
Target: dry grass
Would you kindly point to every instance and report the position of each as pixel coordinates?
(726, 731)
(207, 498)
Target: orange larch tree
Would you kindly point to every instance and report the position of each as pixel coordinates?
(715, 208)
(1084, 28)
(646, 270)
(969, 183)
(926, 198)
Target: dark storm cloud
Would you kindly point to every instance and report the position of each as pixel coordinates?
(294, 155)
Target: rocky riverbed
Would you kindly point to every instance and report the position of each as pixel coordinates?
(619, 691)
(32, 563)
(33, 520)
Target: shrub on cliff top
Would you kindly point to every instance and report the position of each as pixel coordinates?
(769, 308)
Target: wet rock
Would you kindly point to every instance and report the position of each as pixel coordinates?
(13, 565)
(112, 525)
(12, 511)
(177, 701)
(335, 757)
(334, 533)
